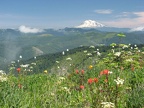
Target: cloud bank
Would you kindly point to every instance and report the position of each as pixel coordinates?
(104, 11)
(128, 20)
(25, 29)
(137, 29)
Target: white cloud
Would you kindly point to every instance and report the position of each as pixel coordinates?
(123, 15)
(128, 22)
(138, 29)
(104, 11)
(25, 29)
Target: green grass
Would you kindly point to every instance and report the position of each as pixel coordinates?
(53, 91)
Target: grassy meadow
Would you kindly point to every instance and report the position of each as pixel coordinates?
(87, 79)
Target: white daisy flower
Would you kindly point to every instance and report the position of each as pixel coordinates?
(119, 81)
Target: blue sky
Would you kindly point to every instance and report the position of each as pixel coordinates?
(70, 13)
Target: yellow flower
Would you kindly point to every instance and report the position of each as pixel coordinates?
(90, 66)
(45, 71)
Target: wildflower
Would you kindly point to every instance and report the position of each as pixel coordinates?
(45, 71)
(63, 68)
(85, 51)
(105, 72)
(63, 53)
(90, 66)
(61, 78)
(2, 72)
(77, 71)
(98, 53)
(108, 105)
(12, 62)
(90, 81)
(89, 54)
(18, 70)
(81, 87)
(33, 63)
(68, 58)
(20, 56)
(67, 50)
(129, 60)
(125, 46)
(35, 57)
(66, 89)
(57, 61)
(110, 72)
(52, 94)
(82, 71)
(119, 81)
(26, 65)
(31, 67)
(92, 46)
(117, 54)
(129, 53)
(101, 73)
(142, 52)
(20, 86)
(95, 80)
(3, 78)
(136, 48)
(113, 51)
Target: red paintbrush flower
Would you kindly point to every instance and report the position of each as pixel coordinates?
(105, 72)
(82, 71)
(81, 87)
(95, 80)
(18, 70)
(90, 81)
(77, 71)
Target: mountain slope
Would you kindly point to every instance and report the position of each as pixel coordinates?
(14, 43)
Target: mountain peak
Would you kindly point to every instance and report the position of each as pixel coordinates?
(90, 24)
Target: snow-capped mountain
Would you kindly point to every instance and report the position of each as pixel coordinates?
(137, 29)
(90, 24)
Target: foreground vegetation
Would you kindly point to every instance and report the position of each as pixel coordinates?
(86, 79)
